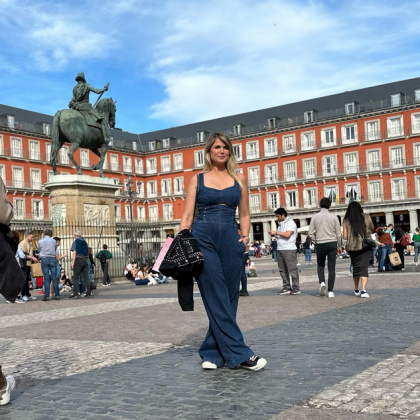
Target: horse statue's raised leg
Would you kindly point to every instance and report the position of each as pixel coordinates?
(97, 153)
(73, 148)
(104, 149)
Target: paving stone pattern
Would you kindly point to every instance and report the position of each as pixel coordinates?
(305, 356)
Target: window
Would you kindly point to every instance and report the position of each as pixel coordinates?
(139, 166)
(141, 214)
(166, 187)
(395, 127)
(36, 179)
(396, 99)
(84, 158)
(307, 140)
(178, 164)
(329, 166)
(199, 159)
(350, 108)
(397, 157)
(140, 189)
(352, 192)
(255, 203)
(291, 199)
(252, 150)
(375, 191)
(117, 212)
(114, 163)
(17, 177)
(417, 95)
(179, 185)
(308, 116)
(270, 147)
(151, 166)
(117, 182)
(166, 143)
(398, 189)
(237, 150)
(374, 160)
(201, 137)
(1, 145)
(328, 137)
(165, 162)
(11, 121)
(309, 168)
(309, 198)
(127, 163)
(372, 131)
(350, 163)
(332, 193)
(273, 201)
(418, 187)
(37, 209)
(128, 212)
(254, 176)
(153, 213)
(152, 145)
(151, 189)
(167, 212)
(16, 147)
(64, 156)
(19, 208)
(349, 134)
(290, 171)
(46, 129)
(48, 152)
(34, 150)
(50, 174)
(417, 154)
(272, 123)
(271, 174)
(2, 174)
(415, 123)
(289, 144)
(237, 129)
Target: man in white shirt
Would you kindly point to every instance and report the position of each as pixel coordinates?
(286, 252)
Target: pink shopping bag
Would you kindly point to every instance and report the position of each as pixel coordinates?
(162, 253)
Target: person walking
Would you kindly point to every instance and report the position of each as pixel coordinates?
(356, 227)
(79, 264)
(416, 240)
(104, 256)
(385, 249)
(325, 229)
(286, 252)
(219, 190)
(400, 246)
(26, 247)
(274, 249)
(308, 251)
(47, 248)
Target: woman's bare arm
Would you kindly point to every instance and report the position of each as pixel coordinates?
(244, 217)
(344, 232)
(188, 215)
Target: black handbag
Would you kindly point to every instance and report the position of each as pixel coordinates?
(368, 244)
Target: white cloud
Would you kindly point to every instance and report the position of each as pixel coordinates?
(221, 58)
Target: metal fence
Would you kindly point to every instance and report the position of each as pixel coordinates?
(140, 242)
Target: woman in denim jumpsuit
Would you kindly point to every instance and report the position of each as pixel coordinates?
(217, 237)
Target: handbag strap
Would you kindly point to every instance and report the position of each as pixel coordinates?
(196, 204)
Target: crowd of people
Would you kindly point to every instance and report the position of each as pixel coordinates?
(144, 274)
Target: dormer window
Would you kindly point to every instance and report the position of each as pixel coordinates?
(396, 99)
(46, 129)
(273, 123)
(166, 143)
(152, 145)
(178, 141)
(201, 136)
(308, 116)
(350, 108)
(11, 121)
(238, 129)
(417, 95)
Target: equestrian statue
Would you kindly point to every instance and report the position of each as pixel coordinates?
(83, 125)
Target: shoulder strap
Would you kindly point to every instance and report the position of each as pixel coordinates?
(196, 199)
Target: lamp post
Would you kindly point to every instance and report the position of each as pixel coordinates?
(130, 193)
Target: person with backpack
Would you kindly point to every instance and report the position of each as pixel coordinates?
(401, 243)
(79, 264)
(104, 256)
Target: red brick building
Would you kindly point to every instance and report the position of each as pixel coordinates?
(362, 144)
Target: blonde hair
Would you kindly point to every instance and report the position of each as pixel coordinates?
(230, 164)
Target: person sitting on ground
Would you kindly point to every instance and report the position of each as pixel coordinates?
(141, 279)
(250, 269)
(131, 270)
(64, 281)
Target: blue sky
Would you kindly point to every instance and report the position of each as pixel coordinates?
(176, 62)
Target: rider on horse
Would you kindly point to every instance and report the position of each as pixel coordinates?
(80, 102)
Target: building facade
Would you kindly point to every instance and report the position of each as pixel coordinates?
(360, 145)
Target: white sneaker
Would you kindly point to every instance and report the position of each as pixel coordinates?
(7, 301)
(5, 398)
(416, 263)
(298, 264)
(357, 292)
(364, 294)
(350, 274)
(20, 301)
(25, 298)
(331, 294)
(322, 289)
(31, 298)
(208, 366)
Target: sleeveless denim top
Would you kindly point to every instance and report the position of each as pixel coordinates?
(217, 205)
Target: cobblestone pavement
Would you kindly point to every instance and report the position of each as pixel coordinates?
(130, 353)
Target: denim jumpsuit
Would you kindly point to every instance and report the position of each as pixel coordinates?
(217, 237)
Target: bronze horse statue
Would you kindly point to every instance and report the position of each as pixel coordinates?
(70, 126)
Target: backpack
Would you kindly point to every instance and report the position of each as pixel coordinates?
(102, 257)
(405, 241)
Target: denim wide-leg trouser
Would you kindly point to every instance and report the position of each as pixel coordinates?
(217, 237)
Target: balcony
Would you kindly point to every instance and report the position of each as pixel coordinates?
(270, 152)
(139, 170)
(344, 141)
(326, 144)
(127, 169)
(18, 184)
(289, 149)
(395, 133)
(30, 216)
(254, 155)
(308, 146)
